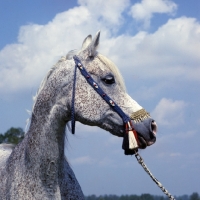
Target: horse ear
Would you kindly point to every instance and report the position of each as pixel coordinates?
(86, 42)
(94, 44)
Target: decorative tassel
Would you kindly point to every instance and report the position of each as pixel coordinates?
(132, 141)
(130, 144)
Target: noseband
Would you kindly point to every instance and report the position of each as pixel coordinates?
(130, 142)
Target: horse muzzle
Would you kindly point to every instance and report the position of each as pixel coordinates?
(146, 132)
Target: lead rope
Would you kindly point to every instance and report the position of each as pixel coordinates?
(129, 145)
(141, 162)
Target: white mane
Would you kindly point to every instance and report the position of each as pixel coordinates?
(112, 68)
(42, 84)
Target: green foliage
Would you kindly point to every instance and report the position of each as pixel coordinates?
(146, 197)
(194, 196)
(13, 136)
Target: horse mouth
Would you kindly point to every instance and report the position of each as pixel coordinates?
(142, 143)
(146, 133)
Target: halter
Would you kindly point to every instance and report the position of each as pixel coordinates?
(130, 142)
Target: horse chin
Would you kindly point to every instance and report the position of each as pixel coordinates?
(144, 143)
(141, 142)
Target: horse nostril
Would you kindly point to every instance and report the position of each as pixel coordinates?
(153, 127)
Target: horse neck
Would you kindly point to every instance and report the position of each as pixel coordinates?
(43, 149)
(46, 136)
(50, 114)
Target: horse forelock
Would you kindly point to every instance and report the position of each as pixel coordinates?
(113, 68)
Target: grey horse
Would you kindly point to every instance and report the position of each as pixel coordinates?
(37, 169)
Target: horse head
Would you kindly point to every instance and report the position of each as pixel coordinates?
(90, 108)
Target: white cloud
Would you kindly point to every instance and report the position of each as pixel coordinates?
(185, 135)
(87, 160)
(169, 112)
(166, 55)
(82, 160)
(172, 51)
(113, 140)
(40, 46)
(110, 12)
(175, 154)
(168, 154)
(105, 162)
(198, 121)
(170, 142)
(144, 11)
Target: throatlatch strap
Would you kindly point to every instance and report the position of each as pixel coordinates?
(72, 103)
(130, 138)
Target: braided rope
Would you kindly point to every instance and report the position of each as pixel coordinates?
(141, 162)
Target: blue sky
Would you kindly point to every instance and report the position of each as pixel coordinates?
(156, 46)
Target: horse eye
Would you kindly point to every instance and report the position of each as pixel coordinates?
(91, 57)
(109, 79)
